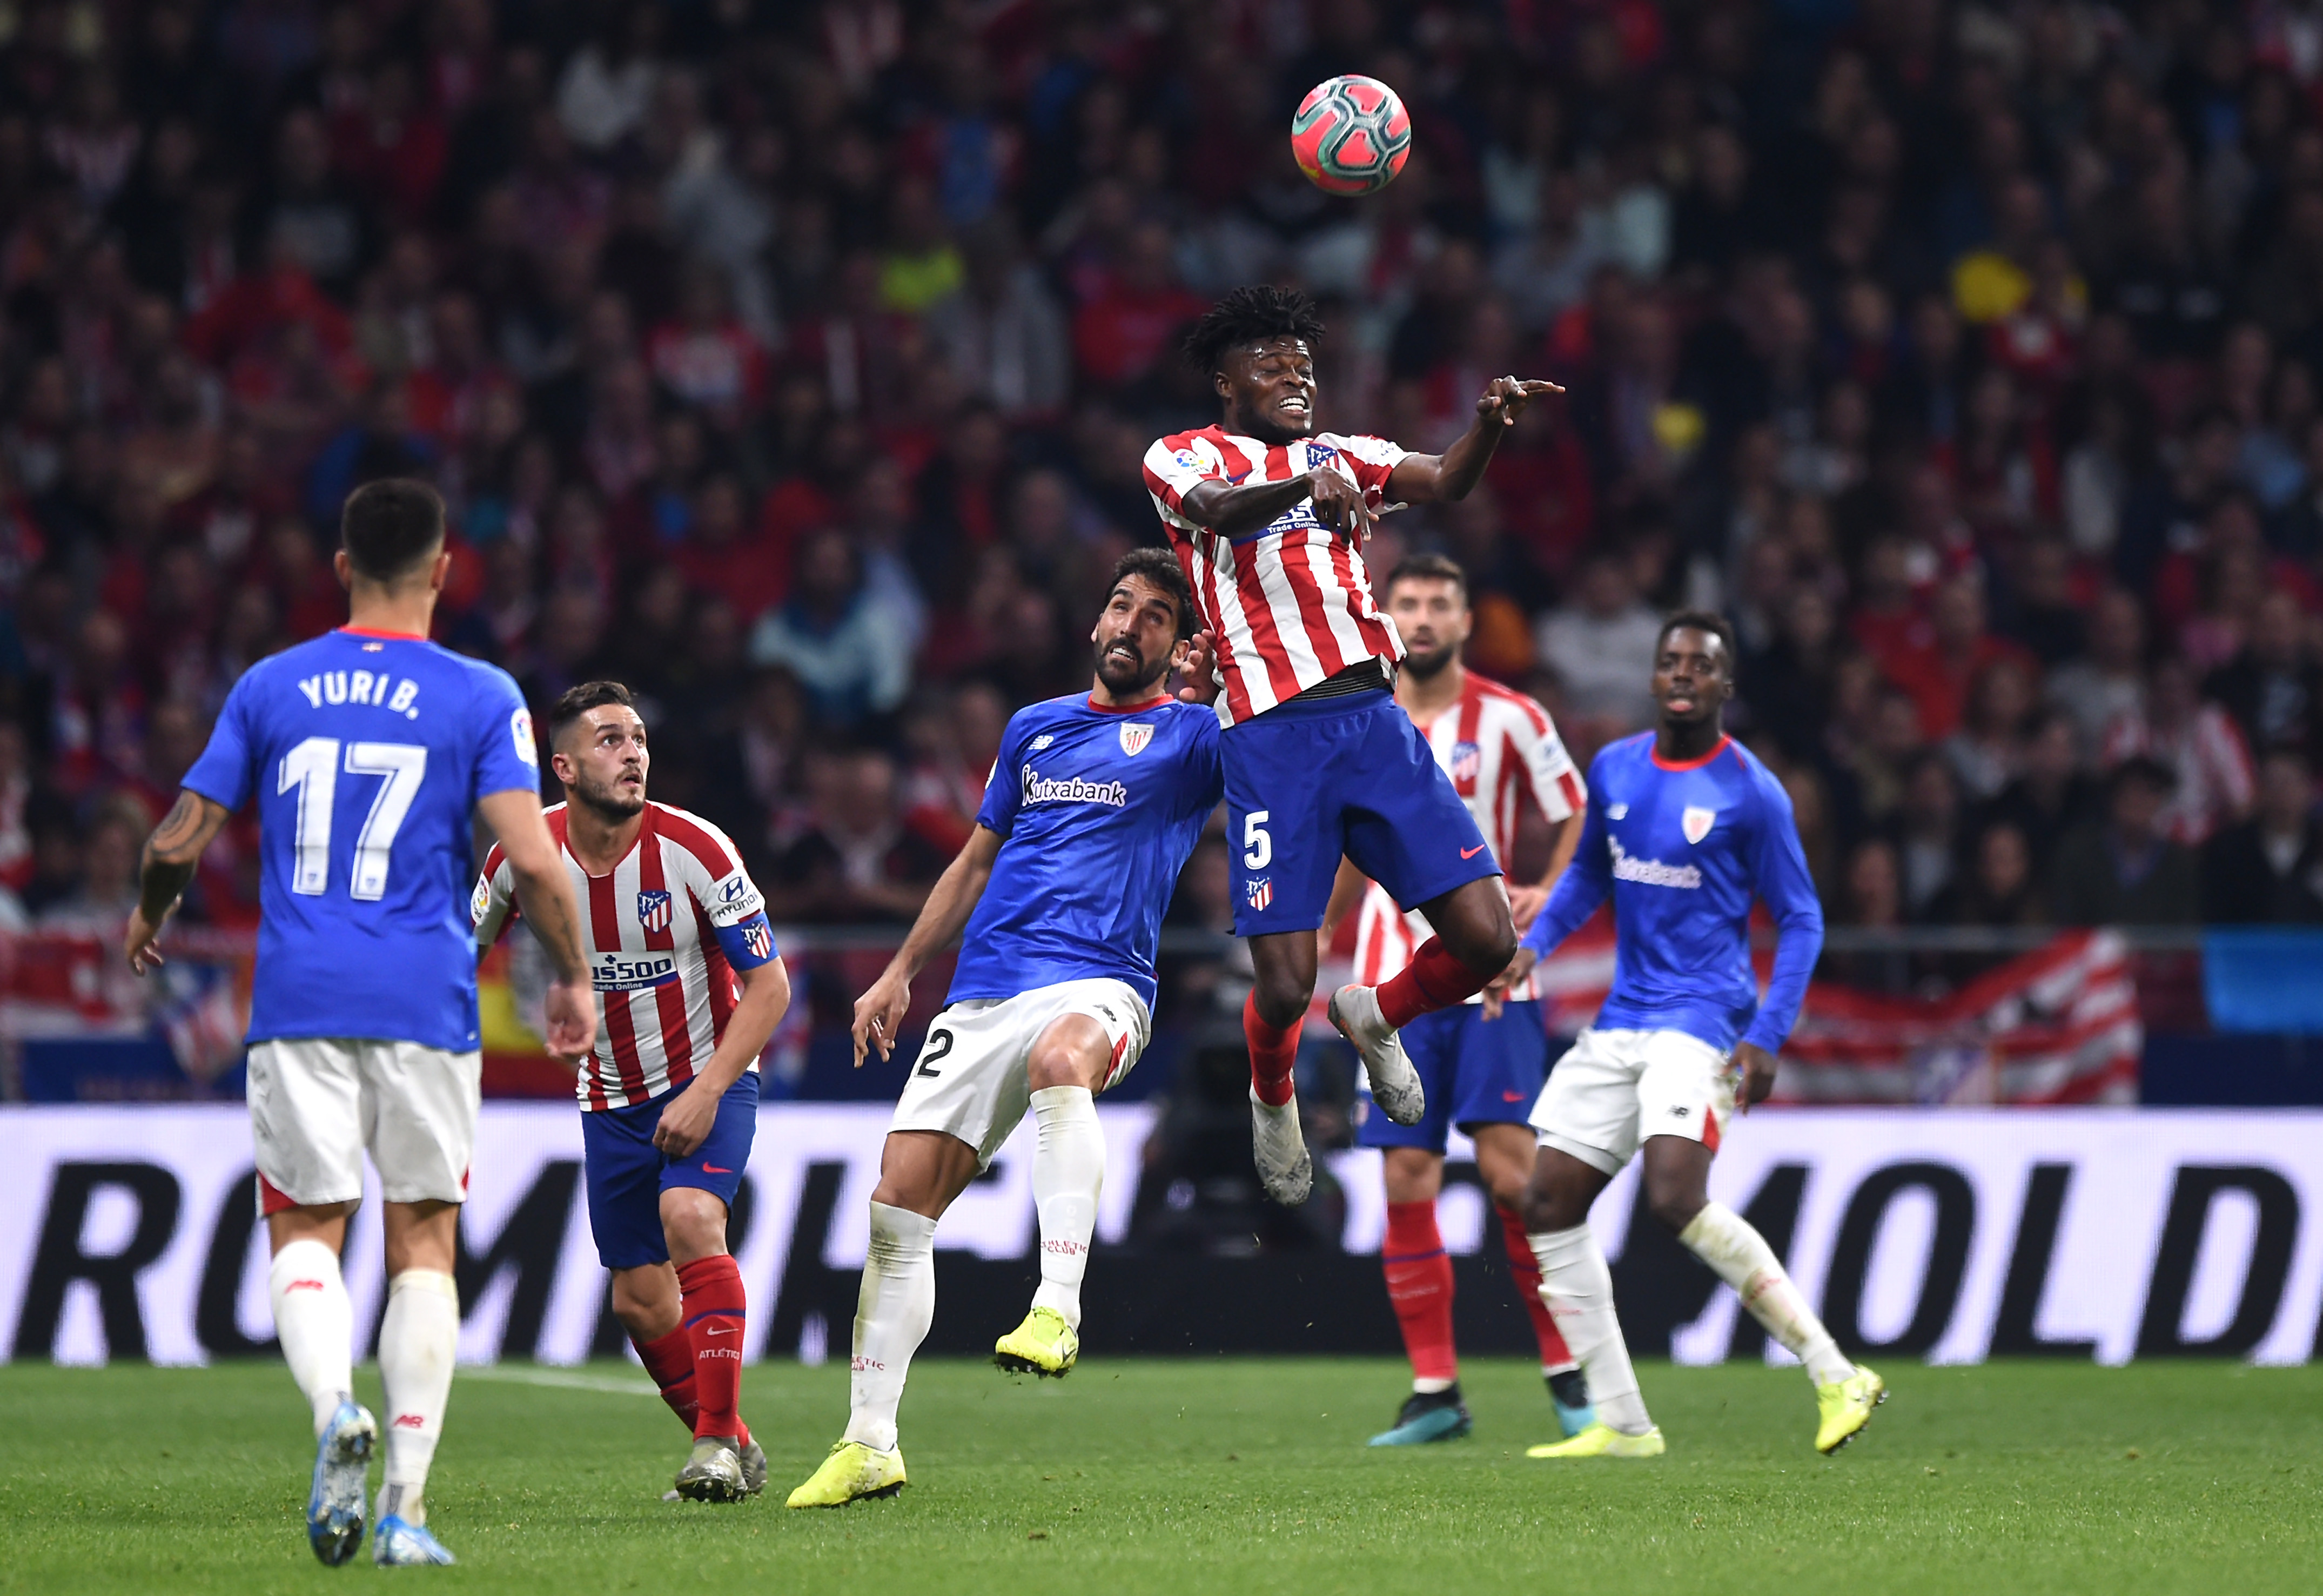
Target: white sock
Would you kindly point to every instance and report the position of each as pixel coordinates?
(1733, 1248)
(892, 1316)
(1068, 1174)
(315, 1324)
(418, 1341)
(1578, 1288)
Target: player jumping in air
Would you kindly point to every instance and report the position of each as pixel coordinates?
(1684, 828)
(1093, 807)
(1482, 1061)
(369, 750)
(689, 989)
(1268, 518)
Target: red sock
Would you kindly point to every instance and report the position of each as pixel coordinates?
(1554, 1356)
(1273, 1051)
(1433, 980)
(1419, 1284)
(670, 1361)
(711, 1289)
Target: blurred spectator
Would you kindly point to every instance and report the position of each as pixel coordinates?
(2269, 869)
(1927, 831)
(854, 860)
(1600, 644)
(2107, 684)
(99, 904)
(2197, 742)
(2051, 795)
(835, 635)
(2126, 869)
(1871, 900)
(2273, 686)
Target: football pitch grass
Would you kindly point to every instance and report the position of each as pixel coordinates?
(1241, 1475)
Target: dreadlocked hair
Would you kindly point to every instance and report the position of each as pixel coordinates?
(1251, 315)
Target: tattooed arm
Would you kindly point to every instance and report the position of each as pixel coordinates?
(171, 855)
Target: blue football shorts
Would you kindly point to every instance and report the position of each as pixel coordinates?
(1312, 779)
(628, 1173)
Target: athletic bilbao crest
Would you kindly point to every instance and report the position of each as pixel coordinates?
(652, 912)
(1696, 823)
(1134, 736)
(1259, 893)
(1467, 759)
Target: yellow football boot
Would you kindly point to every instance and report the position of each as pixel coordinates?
(1044, 1345)
(851, 1473)
(1846, 1405)
(1602, 1440)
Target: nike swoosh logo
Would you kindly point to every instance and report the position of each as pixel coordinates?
(715, 1169)
(713, 1330)
(1512, 1097)
(1470, 853)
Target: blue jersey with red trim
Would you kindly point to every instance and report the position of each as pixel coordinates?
(1683, 850)
(366, 753)
(1097, 810)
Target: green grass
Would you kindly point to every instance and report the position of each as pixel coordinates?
(1246, 1475)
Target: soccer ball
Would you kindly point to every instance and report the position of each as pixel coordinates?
(1351, 135)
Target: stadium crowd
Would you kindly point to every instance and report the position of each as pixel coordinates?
(794, 364)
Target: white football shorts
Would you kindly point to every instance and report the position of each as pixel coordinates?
(1615, 1088)
(970, 1078)
(316, 1103)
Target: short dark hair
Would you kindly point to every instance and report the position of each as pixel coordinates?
(391, 527)
(2141, 770)
(1426, 567)
(1699, 620)
(577, 701)
(1160, 567)
(1249, 314)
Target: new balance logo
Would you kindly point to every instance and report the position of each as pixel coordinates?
(302, 1286)
(408, 1421)
(1680, 1112)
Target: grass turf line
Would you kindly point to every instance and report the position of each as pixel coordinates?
(1233, 1475)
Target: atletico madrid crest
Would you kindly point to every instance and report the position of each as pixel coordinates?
(652, 912)
(1134, 736)
(1467, 761)
(758, 936)
(1259, 893)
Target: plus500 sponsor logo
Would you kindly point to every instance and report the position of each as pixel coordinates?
(614, 972)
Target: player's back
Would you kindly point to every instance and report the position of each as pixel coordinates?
(1098, 809)
(1688, 848)
(366, 753)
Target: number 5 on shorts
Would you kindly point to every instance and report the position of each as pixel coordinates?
(1257, 847)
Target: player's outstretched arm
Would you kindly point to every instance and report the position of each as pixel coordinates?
(544, 897)
(172, 852)
(879, 1011)
(1423, 479)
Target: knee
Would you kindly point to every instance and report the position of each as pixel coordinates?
(1543, 1210)
(1485, 940)
(1676, 1208)
(1053, 1066)
(695, 1225)
(1280, 999)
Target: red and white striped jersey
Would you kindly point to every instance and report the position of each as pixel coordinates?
(655, 931)
(1502, 751)
(1292, 605)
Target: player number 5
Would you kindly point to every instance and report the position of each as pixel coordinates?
(1257, 847)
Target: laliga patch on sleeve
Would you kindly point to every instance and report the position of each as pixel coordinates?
(520, 728)
(480, 903)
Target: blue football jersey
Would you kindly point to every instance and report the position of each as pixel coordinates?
(1096, 811)
(1684, 849)
(367, 752)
